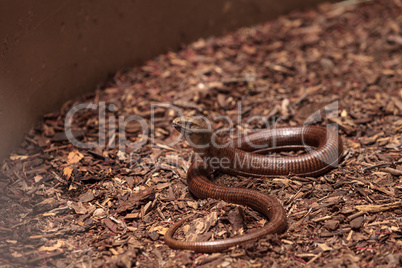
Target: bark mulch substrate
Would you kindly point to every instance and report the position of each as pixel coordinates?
(63, 205)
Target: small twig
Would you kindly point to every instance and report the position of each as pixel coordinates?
(300, 99)
(358, 214)
(57, 177)
(121, 223)
(61, 208)
(56, 148)
(390, 164)
(349, 2)
(246, 78)
(315, 258)
(308, 212)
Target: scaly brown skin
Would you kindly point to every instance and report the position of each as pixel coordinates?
(324, 148)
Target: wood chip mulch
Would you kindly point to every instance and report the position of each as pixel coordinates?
(110, 205)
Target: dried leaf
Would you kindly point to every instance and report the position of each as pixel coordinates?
(67, 171)
(75, 157)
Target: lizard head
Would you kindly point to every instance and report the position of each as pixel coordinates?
(196, 130)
